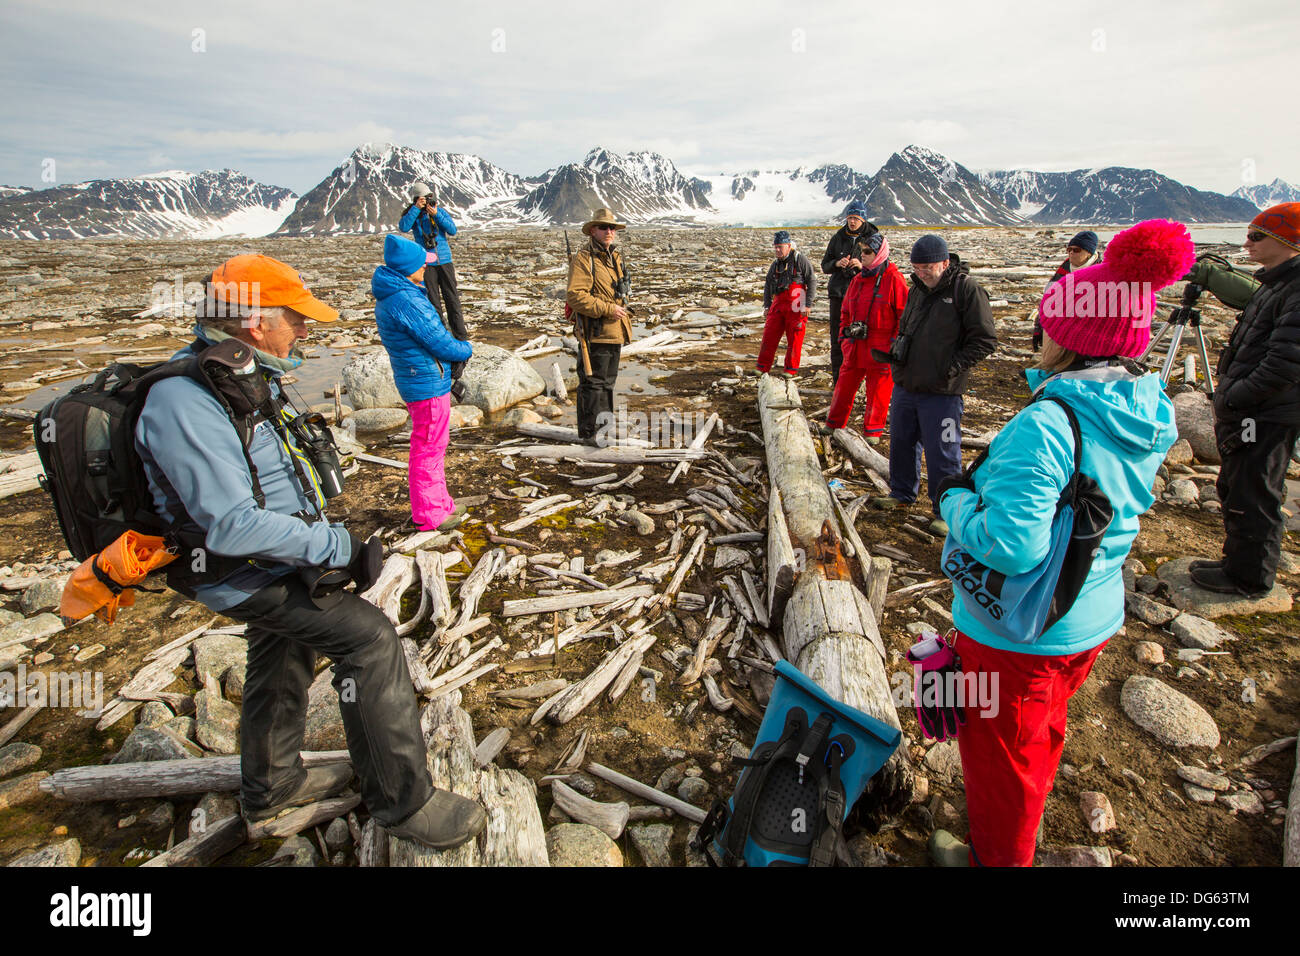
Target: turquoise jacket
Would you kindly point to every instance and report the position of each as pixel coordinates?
(1127, 423)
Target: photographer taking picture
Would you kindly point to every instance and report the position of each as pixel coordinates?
(946, 329)
(430, 225)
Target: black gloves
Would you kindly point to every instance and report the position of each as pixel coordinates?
(961, 480)
(367, 560)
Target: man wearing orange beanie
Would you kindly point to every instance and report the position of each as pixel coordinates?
(1257, 411)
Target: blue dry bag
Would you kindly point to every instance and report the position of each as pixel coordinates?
(811, 762)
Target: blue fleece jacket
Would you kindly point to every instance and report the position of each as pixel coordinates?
(1127, 423)
(420, 348)
(193, 461)
(417, 223)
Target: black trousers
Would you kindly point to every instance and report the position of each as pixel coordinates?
(837, 354)
(1252, 488)
(596, 391)
(440, 287)
(286, 631)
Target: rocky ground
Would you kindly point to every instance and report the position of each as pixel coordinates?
(1191, 790)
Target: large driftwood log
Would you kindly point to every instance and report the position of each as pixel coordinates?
(829, 628)
(513, 835)
(160, 778)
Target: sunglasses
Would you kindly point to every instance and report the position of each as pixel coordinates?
(1256, 236)
(605, 228)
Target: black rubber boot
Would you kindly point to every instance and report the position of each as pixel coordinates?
(446, 821)
(1217, 580)
(319, 783)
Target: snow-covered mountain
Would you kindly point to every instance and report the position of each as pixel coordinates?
(919, 186)
(7, 191)
(915, 186)
(167, 205)
(1117, 194)
(639, 186)
(370, 190)
(771, 197)
(1279, 190)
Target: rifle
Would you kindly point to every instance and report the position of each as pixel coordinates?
(579, 323)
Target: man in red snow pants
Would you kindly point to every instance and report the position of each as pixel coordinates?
(787, 296)
(868, 320)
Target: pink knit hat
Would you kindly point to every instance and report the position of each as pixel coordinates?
(1106, 309)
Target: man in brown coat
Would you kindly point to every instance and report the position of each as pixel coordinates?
(601, 322)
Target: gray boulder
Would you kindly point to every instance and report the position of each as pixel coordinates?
(324, 719)
(1194, 415)
(44, 595)
(376, 421)
(155, 743)
(215, 654)
(653, 842)
(496, 379)
(67, 853)
(1171, 717)
(1186, 596)
(579, 844)
(1193, 631)
(369, 380)
(216, 720)
(31, 629)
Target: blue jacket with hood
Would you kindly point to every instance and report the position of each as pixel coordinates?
(1127, 423)
(419, 225)
(420, 348)
(193, 462)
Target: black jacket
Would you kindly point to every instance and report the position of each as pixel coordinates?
(783, 272)
(950, 329)
(842, 244)
(1259, 370)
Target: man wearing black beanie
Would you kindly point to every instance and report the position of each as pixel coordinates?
(946, 328)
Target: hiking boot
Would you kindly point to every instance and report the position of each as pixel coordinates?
(938, 527)
(321, 782)
(1217, 580)
(872, 439)
(887, 503)
(947, 850)
(453, 520)
(1198, 564)
(445, 821)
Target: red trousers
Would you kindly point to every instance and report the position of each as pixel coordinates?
(782, 319)
(1009, 756)
(858, 367)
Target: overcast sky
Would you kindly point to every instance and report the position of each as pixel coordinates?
(283, 91)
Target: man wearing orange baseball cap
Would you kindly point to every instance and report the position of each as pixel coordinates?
(232, 465)
(1257, 411)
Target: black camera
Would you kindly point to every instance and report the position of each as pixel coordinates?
(856, 330)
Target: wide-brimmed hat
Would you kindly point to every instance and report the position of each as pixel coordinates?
(602, 217)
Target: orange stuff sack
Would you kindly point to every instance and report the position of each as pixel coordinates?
(103, 582)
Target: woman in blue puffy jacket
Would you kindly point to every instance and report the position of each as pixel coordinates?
(422, 352)
(431, 225)
(1095, 320)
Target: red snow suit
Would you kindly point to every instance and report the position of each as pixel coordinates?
(880, 308)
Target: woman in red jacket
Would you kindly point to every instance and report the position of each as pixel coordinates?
(868, 320)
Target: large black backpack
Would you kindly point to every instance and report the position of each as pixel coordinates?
(95, 476)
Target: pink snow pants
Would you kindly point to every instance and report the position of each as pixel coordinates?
(431, 503)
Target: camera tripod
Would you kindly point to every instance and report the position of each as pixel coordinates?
(1179, 320)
